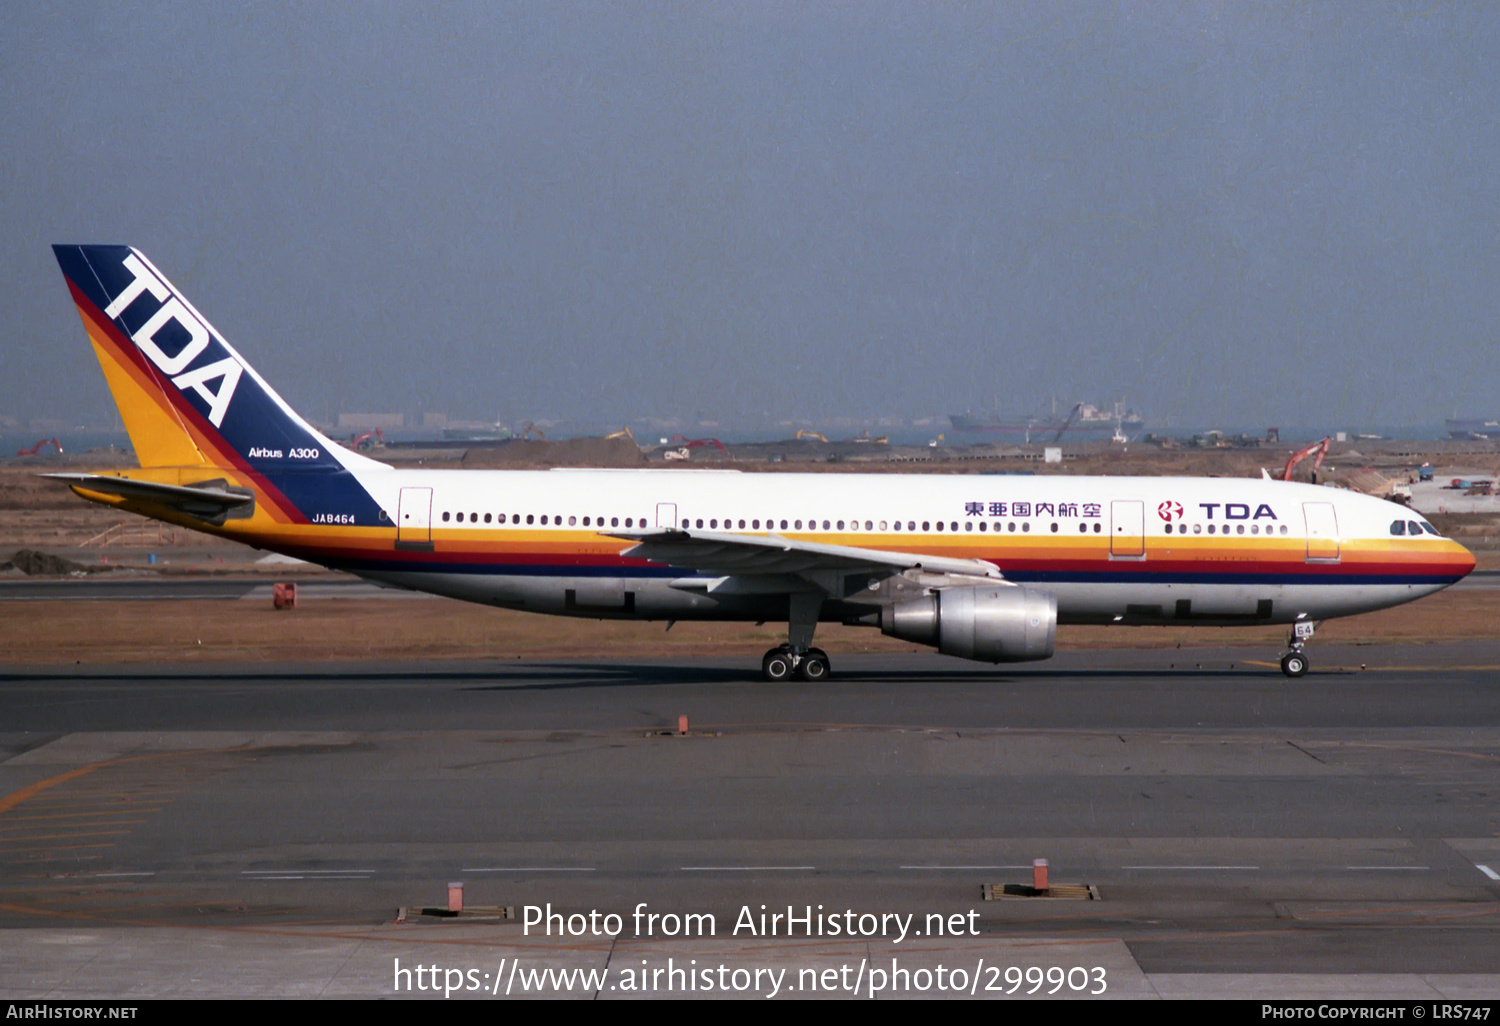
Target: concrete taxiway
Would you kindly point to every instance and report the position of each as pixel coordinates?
(254, 829)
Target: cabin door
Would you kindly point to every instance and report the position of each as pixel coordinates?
(414, 517)
(1127, 527)
(1322, 532)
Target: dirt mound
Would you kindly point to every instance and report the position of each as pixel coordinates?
(43, 564)
(572, 452)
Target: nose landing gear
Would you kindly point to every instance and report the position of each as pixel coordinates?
(1294, 662)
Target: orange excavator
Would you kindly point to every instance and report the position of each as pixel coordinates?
(38, 447)
(361, 442)
(1321, 448)
(693, 443)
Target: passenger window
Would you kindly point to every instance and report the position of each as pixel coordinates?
(867, 525)
(870, 525)
(984, 525)
(486, 518)
(755, 524)
(1239, 529)
(1169, 528)
(627, 522)
(1012, 527)
(939, 526)
(1097, 527)
(968, 525)
(445, 516)
(1255, 529)
(1054, 527)
(1026, 526)
(714, 523)
(1210, 528)
(897, 525)
(1197, 528)
(500, 519)
(742, 525)
(841, 525)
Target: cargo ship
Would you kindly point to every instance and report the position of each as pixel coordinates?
(1082, 422)
(1473, 429)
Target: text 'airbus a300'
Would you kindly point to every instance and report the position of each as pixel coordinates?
(983, 568)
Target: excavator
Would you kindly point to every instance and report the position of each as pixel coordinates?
(38, 447)
(1321, 448)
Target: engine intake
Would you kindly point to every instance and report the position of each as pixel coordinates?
(988, 624)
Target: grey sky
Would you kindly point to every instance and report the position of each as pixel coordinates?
(1227, 212)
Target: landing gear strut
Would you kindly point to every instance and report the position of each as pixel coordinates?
(798, 656)
(1293, 662)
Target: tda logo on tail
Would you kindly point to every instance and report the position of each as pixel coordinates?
(174, 311)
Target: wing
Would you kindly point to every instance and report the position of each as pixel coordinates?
(209, 501)
(742, 554)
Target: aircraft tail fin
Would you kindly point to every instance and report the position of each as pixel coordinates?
(189, 399)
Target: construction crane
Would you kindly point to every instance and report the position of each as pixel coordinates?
(38, 447)
(1321, 448)
(532, 429)
(1072, 416)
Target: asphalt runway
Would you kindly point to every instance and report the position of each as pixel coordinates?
(255, 829)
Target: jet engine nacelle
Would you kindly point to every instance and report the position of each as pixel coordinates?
(990, 624)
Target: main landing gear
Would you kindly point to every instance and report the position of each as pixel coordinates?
(784, 662)
(797, 657)
(1294, 663)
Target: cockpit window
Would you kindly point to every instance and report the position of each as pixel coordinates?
(1430, 530)
(1398, 526)
(1412, 527)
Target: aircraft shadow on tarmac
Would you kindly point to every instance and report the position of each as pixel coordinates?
(552, 676)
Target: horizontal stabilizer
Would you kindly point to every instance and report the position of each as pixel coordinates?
(211, 501)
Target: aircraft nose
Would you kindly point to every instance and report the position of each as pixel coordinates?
(1463, 560)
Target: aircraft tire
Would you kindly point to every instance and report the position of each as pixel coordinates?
(1294, 664)
(776, 665)
(814, 666)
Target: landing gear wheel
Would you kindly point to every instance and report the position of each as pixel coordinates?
(1294, 664)
(776, 665)
(814, 665)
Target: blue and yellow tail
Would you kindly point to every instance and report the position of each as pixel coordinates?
(191, 404)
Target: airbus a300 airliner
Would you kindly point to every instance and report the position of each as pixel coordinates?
(981, 567)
